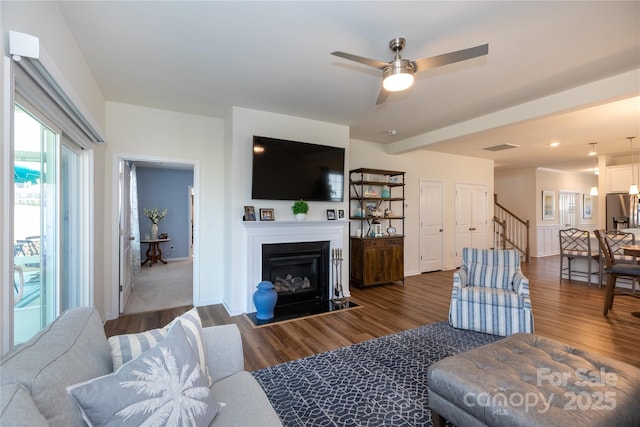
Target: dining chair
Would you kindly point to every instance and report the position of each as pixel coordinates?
(576, 244)
(613, 270)
(617, 239)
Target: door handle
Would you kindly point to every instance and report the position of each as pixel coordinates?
(20, 284)
(132, 237)
(441, 230)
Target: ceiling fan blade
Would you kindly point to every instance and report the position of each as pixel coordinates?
(361, 59)
(451, 57)
(382, 97)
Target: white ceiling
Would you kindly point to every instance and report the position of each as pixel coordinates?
(204, 57)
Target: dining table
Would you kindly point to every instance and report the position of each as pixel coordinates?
(631, 250)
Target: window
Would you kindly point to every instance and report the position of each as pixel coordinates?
(568, 209)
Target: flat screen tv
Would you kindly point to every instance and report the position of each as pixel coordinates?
(291, 170)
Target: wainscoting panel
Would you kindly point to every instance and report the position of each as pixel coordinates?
(548, 240)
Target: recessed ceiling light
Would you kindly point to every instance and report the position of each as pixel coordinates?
(554, 144)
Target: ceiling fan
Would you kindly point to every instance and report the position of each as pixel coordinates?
(397, 75)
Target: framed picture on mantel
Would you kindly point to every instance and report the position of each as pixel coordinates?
(249, 213)
(267, 215)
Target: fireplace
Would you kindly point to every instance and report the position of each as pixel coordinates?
(298, 270)
(259, 233)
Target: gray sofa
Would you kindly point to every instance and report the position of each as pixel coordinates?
(74, 349)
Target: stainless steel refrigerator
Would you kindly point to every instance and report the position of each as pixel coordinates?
(621, 211)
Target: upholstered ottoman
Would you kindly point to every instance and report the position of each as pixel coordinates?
(530, 380)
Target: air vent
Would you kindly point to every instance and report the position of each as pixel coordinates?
(501, 147)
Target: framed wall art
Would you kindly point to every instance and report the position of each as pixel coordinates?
(548, 205)
(331, 214)
(587, 206)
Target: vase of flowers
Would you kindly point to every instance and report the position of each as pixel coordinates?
(155, 216)
(300, 209)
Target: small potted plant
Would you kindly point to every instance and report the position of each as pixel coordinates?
(300, 209)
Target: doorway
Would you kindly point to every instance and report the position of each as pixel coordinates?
(431, 225)
(155, 286)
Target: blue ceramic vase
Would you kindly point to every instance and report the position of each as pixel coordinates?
(265, 299)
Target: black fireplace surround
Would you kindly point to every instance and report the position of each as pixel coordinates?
(298, 270)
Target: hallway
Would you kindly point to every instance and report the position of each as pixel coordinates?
(161, 287)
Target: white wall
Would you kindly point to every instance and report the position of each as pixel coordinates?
(243, 124)
(520, 202)
(44, 20)
(516, 191)
(547, 231)
(139, 132)
(429, 165)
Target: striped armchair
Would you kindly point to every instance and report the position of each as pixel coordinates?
(490, 293)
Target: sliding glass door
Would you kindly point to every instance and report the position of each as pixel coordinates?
(45, 230)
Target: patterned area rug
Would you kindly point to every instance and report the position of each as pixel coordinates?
(380, 382)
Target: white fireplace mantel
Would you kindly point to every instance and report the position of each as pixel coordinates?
(259, 233)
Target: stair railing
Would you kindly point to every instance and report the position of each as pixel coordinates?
(510, 231)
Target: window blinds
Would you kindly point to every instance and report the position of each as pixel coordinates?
(34, 84)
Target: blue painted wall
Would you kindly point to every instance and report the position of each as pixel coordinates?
(166, 189)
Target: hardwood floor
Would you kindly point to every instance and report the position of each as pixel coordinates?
(569, 312)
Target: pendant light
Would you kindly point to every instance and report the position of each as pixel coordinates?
(633, 188)
(594, 187)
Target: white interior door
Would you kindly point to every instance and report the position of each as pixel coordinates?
(431, 226)
(126, 269)
(463, 210)
(471, 218)
(479, 216)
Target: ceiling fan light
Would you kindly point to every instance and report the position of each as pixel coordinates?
(398, 77)
(398, 82)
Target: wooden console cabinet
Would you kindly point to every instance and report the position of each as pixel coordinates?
(376, 227)
(375, 261)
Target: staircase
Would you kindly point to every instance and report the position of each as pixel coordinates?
(509, 231)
